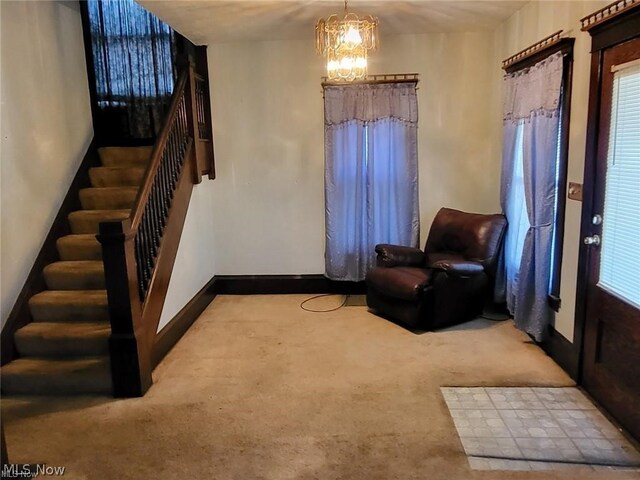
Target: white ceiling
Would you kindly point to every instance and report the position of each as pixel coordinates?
(212, 21)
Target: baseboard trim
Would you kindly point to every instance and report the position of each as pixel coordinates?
(563, 352)
(178, 325)
(284, 284)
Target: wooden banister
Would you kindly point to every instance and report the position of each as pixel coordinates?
(156, 155)
(139, 253)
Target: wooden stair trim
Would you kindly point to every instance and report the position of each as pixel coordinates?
(139, 252)
(134, 323)
(134, 310)
(157, 152)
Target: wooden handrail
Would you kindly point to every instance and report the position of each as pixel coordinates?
(156, 154)
(139, 252)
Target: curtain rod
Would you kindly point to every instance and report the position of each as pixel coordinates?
(610, 11)
(533, 49)
(376, 80)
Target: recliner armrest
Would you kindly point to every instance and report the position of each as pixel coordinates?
(460, 268)
(399, 256)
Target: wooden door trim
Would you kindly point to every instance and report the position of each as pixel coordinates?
(605, 386)
(605, 35)
(584, 254)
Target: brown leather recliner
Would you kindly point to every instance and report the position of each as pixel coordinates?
(446, 284)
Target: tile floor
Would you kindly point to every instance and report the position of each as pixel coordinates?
(531, 428)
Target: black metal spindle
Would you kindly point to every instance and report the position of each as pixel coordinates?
(165, 188)
(146, 257)
(157, 216)
(173, 154)
(158, 203)
(139, 269)
(164, 183)
(153, 227)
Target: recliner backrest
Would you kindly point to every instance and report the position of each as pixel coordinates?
(474, 236)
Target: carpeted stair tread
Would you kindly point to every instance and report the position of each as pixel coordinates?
(88, 221)
(70, 306)
(65, 350)
(75, 275)
(108, 198)
(83, 246)
(116, 176)
(38, 376)
(57, 339)
(125, 156)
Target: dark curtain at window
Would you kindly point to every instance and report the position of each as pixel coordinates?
(133, 57)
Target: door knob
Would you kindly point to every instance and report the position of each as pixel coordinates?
(592, 240)
(596, 220)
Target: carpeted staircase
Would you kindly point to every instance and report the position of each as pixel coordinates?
(64, 351)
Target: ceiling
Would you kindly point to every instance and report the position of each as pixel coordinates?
(216, 21)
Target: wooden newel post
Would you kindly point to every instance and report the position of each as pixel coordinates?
(192, 123)
(202, 68)
(129, 351)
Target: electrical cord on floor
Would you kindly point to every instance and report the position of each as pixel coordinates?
(496, 318)
(496, 312)
(344, 302)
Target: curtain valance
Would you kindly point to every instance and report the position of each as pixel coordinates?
(370, 102)
(534, 90)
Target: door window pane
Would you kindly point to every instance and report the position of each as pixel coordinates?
(620, 256)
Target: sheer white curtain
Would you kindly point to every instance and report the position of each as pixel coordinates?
(515, 208)
(529, 190)
(371, 174)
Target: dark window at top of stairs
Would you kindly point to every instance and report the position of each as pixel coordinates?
(132, 53)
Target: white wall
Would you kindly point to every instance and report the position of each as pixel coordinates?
(533, 22)
(195, 264)
(268, 130)
(268, 133)
(46, 127)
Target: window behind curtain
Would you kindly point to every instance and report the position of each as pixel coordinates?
(133, 61)
(514, 243)
(371, 174)
(516, 211)
(556, 244)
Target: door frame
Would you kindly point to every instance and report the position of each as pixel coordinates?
(607, 28)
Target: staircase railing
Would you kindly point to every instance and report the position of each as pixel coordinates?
(139, 252)
(151, 210)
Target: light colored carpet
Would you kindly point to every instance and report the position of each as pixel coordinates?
(259, 389)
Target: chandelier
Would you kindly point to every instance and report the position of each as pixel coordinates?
(345, 41)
